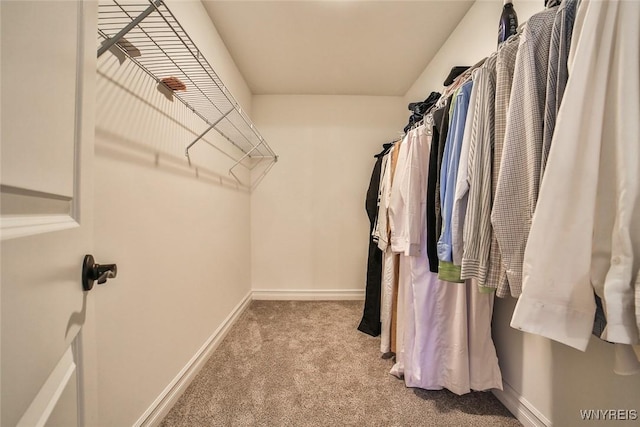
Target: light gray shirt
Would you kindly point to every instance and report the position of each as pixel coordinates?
(477, 226)
(505, 65)
(558, 73)
(521, 163)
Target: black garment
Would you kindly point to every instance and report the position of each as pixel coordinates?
(419, 109)
(432, 247)
(600, 320)
(370, 323)
(455, 72)
(441, 126)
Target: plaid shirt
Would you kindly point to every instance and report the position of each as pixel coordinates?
(505, 64)
(521, 163)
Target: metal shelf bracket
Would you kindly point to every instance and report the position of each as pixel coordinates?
(213, 125)
(108, 43)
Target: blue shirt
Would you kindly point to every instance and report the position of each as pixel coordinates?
(449, 169)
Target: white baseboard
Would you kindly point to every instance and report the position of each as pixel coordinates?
(520, 407)
(163, 404)
(308, 294)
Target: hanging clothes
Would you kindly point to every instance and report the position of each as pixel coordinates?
(419, 109)
(370, 323)
(460, 189)
(398, 224)
(521, 162)
(448, 176)
(589, 205)
(505, 66)
(440, 116)
(406, 213)
(396, 258)
(446, 335)
(381, 229)
(558, 73)
(389, 268)
(477, 225)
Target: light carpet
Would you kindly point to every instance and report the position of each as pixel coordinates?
(303, 363)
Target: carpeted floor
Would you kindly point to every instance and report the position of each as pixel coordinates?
(299, 363)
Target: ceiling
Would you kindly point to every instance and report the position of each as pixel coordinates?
(355, 47)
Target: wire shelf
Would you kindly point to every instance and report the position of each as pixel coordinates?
(148, 34)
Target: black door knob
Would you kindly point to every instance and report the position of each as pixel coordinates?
(100, 272)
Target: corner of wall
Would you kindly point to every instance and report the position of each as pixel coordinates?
(208, 39)
(164, 402)
(474, 38)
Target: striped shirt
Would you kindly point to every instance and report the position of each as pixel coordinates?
(477, 225)
(558, 73)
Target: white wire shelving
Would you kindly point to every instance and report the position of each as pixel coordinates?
(149, 35)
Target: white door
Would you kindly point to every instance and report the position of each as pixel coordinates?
(48, 56)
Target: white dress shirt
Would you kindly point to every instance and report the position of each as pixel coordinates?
(398, 220)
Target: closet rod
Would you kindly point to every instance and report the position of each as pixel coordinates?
(108, 43)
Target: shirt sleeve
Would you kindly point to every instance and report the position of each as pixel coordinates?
(417, 198)
(477, 225)
(449, 172)
(620, 172)
(397, 203)
(381, 232)
(505, 64)
(460, 199)
(578, 241)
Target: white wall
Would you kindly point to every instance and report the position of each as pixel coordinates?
(190, 246)
(552, 381)
(308, 223)
(181, 240)
(473, 39)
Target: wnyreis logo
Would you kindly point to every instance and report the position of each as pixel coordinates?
(609, 414)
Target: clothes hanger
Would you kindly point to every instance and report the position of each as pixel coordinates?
(462, 78)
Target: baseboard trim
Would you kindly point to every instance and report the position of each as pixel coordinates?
(308, 294)
(163, 404)
(520, 407)
(169, 396)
